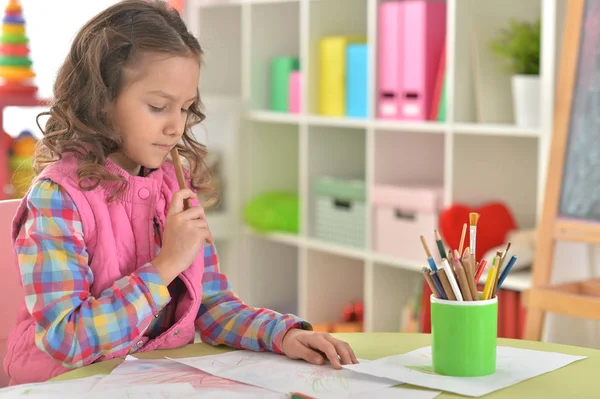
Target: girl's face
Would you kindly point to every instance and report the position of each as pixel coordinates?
(151, 110)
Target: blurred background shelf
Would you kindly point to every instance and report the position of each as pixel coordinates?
(274, 117)
(517, 281)
(474, 155)
(495, 130)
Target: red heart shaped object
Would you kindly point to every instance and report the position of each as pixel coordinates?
(494, 224)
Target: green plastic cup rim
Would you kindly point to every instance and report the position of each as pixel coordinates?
(463, 303)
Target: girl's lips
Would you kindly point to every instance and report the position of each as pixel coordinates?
(164, 146)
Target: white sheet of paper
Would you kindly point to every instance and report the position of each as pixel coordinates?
(397, 393)
(162, 371)
(513, 365)
(282, 374)
(162, 391)
(53, 388)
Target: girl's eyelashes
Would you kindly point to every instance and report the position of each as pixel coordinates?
(161, 109)
(156, 109)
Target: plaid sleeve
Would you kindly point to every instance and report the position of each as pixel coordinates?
(71, 325)
(225, 319)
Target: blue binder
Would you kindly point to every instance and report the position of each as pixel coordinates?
(356, 80)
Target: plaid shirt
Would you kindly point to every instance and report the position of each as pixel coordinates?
(75, 328)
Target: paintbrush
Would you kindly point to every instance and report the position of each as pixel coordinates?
(506, 250)
(473, 219)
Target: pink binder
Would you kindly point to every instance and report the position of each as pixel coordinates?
(389, 60)
(295, 85)
(423, 36)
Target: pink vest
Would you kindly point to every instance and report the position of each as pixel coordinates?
(119, 239)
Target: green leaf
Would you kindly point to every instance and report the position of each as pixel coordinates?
(518, 47)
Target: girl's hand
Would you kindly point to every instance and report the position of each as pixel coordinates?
(315, 346)
(184, 236)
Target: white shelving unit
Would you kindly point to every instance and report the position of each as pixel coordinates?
(474, 162)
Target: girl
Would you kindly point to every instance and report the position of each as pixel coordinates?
(111, 261)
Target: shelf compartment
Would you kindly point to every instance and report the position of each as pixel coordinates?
(338, 156)
(409, 58)
(409, 158)
(334, 281)
(408, 126)
(392, 289)
(275, 32)
(280, 263)
(220, 33)
(327, 19)
(486, 167)
(219, 134)
(483, 88)
(265, 145)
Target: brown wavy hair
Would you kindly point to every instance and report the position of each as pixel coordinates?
(92, 77)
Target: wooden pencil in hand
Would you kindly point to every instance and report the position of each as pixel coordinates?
(180, 177)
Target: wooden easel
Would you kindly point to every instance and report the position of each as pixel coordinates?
(566, 214)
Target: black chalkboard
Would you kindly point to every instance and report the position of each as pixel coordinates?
(580, 193)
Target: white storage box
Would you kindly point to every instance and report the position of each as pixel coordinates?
(340, 211)
(402, 215)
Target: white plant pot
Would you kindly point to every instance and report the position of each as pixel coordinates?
(526, 100)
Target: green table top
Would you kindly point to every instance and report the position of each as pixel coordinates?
(580, 379)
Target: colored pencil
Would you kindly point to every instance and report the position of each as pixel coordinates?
(491, 278)
(505, 272)
(468, 265)
(480, 270)
(500, 255)
(466, 261)
(462, 239)
(440, 245)
(462, 281)
(438, 284)
(428, 253)
(446, 284)
(452, 280)
(430, 282)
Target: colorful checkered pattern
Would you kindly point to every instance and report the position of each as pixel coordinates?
(76, 328)
(224, 319)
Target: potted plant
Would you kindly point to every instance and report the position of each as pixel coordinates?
(518, 45)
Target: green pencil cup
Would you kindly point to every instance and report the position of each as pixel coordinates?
(463, 337)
